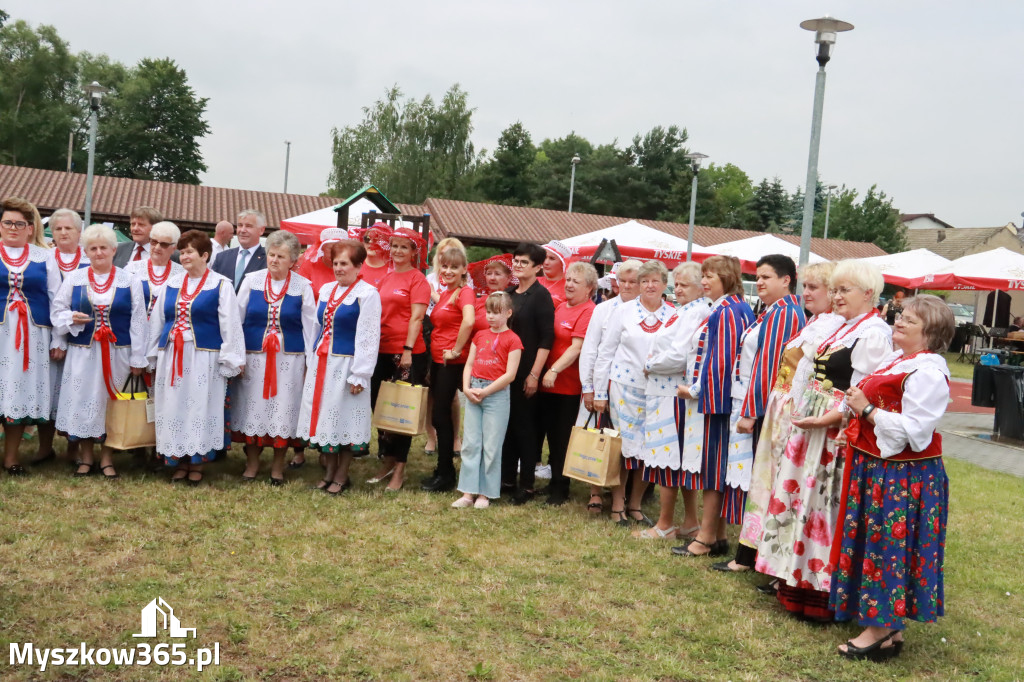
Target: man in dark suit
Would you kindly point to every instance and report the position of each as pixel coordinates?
(249, 255)
(143, 219)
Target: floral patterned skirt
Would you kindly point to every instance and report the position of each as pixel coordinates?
(778, 426)
(890, 561)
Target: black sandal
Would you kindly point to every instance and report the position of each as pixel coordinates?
(873, 652)
(107, 476)
(88, 472)
(42, 459)
(596, 507)
(624, 518)
(684, 550)
(194, 481)
(16, 470)
(643, 520)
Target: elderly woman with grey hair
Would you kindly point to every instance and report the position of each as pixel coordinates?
(620, 385)
(154, 272)
(670, 357)
(560, 387)
(278, 313)
(101, 310)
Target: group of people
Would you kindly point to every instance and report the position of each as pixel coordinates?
(810, 426)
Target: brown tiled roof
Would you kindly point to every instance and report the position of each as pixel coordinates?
(907, 217)
(187, 205)
(505, 225)
(951, 244)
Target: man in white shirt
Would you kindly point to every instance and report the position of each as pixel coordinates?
(222, 235)
(249, 255)
(143, 219)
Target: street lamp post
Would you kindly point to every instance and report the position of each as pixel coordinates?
(828, 206)
(94, 91)
(572, 180)
(825, 30)
(694, 158)
(287, 158)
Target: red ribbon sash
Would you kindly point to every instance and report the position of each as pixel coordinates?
(105, 335)
(271, 345)
(21, 334)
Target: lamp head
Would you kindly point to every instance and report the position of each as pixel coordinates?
(695, 159)
(94, 91)
(825, 30)
(575, 159)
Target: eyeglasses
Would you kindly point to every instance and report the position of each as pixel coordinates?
(843, 291)
(521, 262)
(12, 225)
(907, 320)
(166, 245)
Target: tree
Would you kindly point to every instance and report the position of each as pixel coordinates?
(151, 125)
(508, 178)
(659, 159)
(770, 205)
(730, 196)
(38, 99)
(4, 16)
(874, 219)
(410, 149)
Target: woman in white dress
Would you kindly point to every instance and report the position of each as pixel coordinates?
(196, 345)
(101, 311)
(28, 283)
(67, 253)
(620, 361)
(153, 272)
(666, 369)
(336, 410)
(278, 320)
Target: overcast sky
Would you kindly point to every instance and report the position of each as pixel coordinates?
(923, 99)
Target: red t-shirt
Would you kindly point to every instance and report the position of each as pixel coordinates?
(570, 323)
(447, 319)
(492, 353)
(480, 305)
(373, 276)
(317, 273)
(556, 289)
(398, 292)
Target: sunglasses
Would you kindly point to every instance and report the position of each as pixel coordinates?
(166, 245)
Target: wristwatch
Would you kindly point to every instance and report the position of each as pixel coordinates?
(408, 348)
(867, 410)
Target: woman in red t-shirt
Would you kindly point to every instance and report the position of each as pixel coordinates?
(561, 389)
(377, 240)
(496, 276)
(452, 319)
(404, 294)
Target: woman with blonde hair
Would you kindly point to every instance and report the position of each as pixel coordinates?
(29, 280)
(800, 519)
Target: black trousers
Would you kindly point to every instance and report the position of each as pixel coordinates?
(558, 415)
(387, 369)
(445, 382)
(521, 447)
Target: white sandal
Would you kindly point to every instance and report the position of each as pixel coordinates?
(655, 533)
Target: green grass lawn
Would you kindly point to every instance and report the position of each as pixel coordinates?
(297, 585)
(959, 370)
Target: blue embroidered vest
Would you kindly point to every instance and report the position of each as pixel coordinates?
(203, 318)
(119, 316)
(343, 339)
(257, 321)
(33, 290)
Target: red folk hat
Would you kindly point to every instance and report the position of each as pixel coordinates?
(478, 271)
(417, 241)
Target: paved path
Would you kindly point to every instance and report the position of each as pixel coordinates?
(967, 436)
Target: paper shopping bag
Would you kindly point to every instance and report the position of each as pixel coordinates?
(130, 420)
(401, 408)
(594, 455)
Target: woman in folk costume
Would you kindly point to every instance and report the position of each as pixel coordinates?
(29, 280)
(102, 311)
(757, 365)
(336, 410)
(771, 468)
(706, 442)
(619, 383)
(629, 289)
(278, 314)
(66, 228)
(196, 344)
(154, 272)
(666, 371)
(889, 555)
(800, 518)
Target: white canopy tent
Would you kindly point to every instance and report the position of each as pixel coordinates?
(907, 268)
(308, 226)
(634, 240)
(751, 249)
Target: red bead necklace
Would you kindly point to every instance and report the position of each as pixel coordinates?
(268, 290)
(186, 297)
(14, 262)
(153, 278)
(101, 289)
(73, 265)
